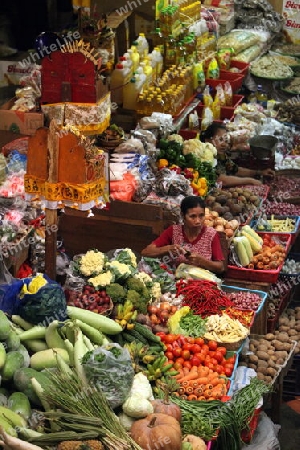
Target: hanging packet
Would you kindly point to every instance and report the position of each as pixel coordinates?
(207, 98)
(228, 93)
(220, 95)
(207, 118)
(216, 109)
(213, 71)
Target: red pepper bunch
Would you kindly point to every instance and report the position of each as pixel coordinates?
(202, 296)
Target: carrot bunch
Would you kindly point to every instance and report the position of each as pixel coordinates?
(200, 383)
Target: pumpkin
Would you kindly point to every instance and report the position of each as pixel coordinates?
(166, 407)
(157, 431)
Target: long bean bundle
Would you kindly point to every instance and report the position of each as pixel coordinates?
(67, 393)
(225, 419)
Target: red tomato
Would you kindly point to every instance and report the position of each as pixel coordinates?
(219, 369)
(200, 356)
(195, 361)
(180, 360)
(205, 349)
(218, 356)
(222, 350)
(209, 365)
(191, 340)
(170, 338)
(186, 355)
(199, 341)
(227, 371)
(169, 348)
(187, 346)
(182, 340)
(169, 355)
(196, 348)
(214, 361)
(187, 364)
(230, 360)
(212, 345)
(162, 335)
(177, 352)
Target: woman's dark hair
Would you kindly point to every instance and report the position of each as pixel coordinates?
(191, 201)
(211, 131)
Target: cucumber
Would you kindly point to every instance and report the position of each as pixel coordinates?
(4, 326)
(12, 417)
(19, 403)
(36, 345)
(47, 359)
(23, 350)
(13, 341)
(22, 382)
(14, 361)
(147, 334)
(7, 427)
(136, 335)
(98, 321)
(2, 355)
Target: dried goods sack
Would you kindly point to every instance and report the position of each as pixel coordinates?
(238, 40)
(249, 54)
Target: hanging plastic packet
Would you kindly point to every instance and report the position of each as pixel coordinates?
(207, 98)
(198, 76)
(213, 71)
(193, 121)
(224, 58)
(216, 109)
(207, 118)
(228, 93)
(220, 95)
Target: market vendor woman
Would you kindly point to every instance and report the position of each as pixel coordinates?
(229, 173)
(192, 242)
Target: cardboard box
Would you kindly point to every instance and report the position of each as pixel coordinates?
(19, 122)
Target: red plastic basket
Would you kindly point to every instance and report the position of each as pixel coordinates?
(235, 79)
(263, 276)
(188, 134)
(237, 100)
(227, 113)
(242, 66)
(247, 433)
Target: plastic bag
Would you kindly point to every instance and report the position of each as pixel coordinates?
(265, 436)
(123, 189)
(110, 368)
(9, 289)
(48, 303)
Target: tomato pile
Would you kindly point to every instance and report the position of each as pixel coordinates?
(186, 352)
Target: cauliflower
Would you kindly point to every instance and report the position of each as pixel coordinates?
(92, 263)
(126, 256)
(206, 152)
(144, 277)
(102, 280)
(176, 138)
(121, 271)
(156, 291)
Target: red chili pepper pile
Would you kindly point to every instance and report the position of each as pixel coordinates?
(202, 296)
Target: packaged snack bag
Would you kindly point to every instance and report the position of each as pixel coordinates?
(213, 70)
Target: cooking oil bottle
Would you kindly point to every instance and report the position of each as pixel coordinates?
(170, 52)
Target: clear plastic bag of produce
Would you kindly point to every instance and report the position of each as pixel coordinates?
(110, 368)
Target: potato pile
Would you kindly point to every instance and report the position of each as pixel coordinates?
(289, 322)
(269, 354)
(235, 202)
(212, 219)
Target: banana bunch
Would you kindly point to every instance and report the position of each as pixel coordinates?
(126, 315)
(160, 369)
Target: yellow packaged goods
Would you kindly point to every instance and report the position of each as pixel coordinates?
(213, 70)
(249, 54)
(238, 40)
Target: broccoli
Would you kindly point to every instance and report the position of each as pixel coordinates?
(116, 292)
(139, 303)
(135, 284)
(140, 287)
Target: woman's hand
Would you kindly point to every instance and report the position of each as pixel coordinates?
(268, 173)
(196, 260)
